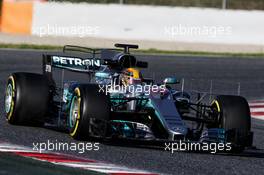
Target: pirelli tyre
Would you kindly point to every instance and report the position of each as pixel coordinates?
(234, 117)
(26, 99)
(89, 112)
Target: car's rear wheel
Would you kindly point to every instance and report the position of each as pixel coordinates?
(89, 112)
(26, 99)
(234, 117)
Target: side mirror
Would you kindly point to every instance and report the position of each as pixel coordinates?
(171, 80)
(102, 75)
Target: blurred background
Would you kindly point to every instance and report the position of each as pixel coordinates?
(183, 25)
(229, 4)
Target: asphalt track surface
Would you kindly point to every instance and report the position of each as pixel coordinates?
(225, 73)
(12, 164)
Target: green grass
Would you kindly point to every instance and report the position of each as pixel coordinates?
(202, 53)
(30, 46)
(149, 51)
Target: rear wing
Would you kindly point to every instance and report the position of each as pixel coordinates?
(90, 62)
(117, 57)
(92, 59)
(71, 63)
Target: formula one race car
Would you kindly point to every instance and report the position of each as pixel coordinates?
(101, 93)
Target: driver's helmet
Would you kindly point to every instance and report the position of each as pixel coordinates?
(131, 76)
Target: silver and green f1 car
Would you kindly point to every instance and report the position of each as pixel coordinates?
(101, 93)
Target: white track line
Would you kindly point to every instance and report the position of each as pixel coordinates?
(256, 109)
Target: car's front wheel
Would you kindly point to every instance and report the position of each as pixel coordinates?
(234, 117)
(89, 112)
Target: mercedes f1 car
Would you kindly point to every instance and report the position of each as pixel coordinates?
(101, 93)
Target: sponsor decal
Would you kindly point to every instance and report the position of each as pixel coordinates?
(75, 63)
